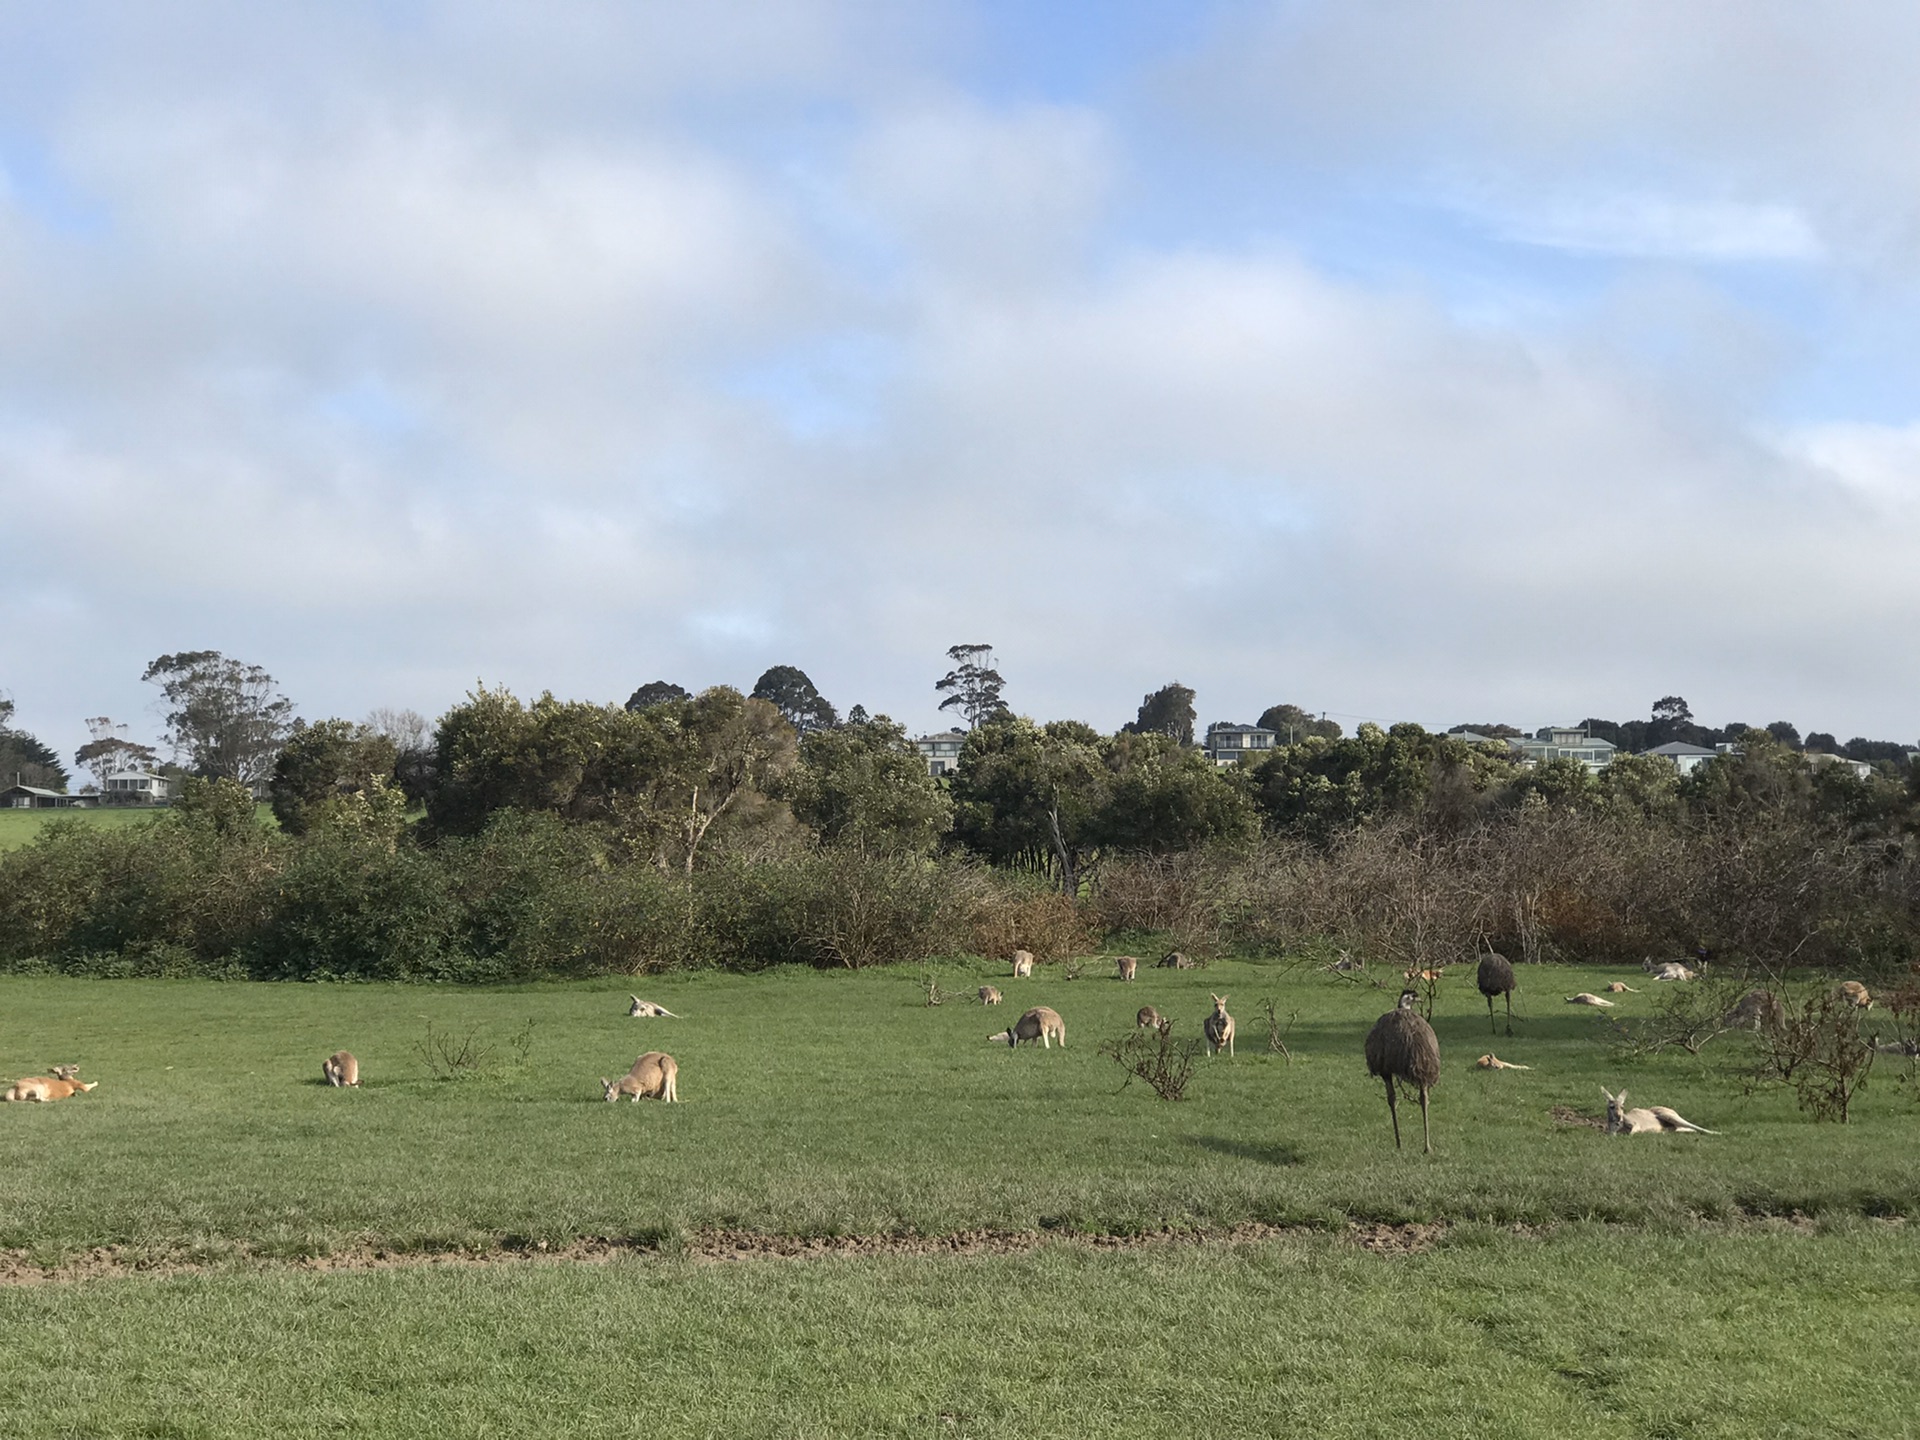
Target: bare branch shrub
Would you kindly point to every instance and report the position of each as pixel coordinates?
(1686, 1015)
(1156, 1057)
(1819, 1051)
(1054, 927)
(1276, 1032)
(448, 1058)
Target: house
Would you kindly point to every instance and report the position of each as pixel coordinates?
(136, 787)
(1231, 744)
(32, 797)
(1686, 758)
(942, 752)
(1565, 742)
(1820, 761)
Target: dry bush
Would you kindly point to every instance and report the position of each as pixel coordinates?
(1005, 919)
(1156, 1057)
(1819, 1051)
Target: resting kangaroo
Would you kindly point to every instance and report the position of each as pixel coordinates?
(340, 1068)
(44, 1087)
(1041, 1023)
(1651, 1120)
(647, 1010)
(654, 1076)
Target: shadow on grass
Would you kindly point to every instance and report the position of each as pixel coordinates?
(1273, 1154)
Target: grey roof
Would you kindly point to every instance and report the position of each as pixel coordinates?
(1678, 748)
(34, 790)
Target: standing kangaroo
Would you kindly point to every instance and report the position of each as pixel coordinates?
(1218, 1028)
(1022, 964)
(1128, 966)
(340, 1068)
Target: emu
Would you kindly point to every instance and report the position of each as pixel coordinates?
(1402, 1048)
(1496, 978)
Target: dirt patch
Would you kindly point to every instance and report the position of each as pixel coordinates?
(18, 1267)
(1567, 1115)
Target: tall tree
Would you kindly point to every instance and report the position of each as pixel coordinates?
(1031, 792)
(973, 686)
(412, 738)
(1167, 711)
(25, 759)
(330, 760)
(1292, 724)
(788, 690)
(110, 750)
(864, 784)
(226, 719)
(656, 692)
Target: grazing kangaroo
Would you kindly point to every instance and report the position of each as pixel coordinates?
(1022, 964)
(647, 1010)
(1174, 960)
(1854, 993)
(340, 1068)
(1218, 1028)
(1588, 998)
(654, 1076)
(45, 1087)
(990, 995)
(1652, 1120)
(1149, 1019)
(1042, 1023)
(1128, 966)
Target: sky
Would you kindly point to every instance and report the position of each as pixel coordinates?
(1481, 361)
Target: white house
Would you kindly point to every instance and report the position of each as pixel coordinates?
(136, 787)
(1565, 742)
(1686, 758)
(1231, 744)
(1820, 761)
(942, 752)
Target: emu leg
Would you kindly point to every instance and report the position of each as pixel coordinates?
(1509, 1011)
(1425, 1130)
(1394, 1112)
(1490, 1022)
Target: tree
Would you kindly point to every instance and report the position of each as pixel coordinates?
(1164, 796)
(1034, 794)
(24, 758)
(974, 683)
(656, 692)
(110, 750)
(788, 690)
(226, 719)
(864, 784)
(1673, 710)
(1786, 732)
(1319, 788)
(1167, 711)
(412, 739)
(328, 760)
(1292, 724)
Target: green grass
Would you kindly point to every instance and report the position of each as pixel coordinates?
(824, 1103)
(21, 827)
(1595, 1334)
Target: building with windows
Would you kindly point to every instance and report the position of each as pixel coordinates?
(137, 787)
(1565, 742)
(32, 797)
(1231, 744)
(942, 752)
(1686, 758)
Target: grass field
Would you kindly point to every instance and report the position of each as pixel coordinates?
(838, 1104)
(19, 827)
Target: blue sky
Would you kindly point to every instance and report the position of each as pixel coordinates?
(1492, 360)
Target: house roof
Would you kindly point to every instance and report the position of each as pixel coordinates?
(33, 790)
(1677, 748)
(1240, 730)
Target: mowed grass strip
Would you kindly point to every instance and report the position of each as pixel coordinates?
(23, 827)
(838, 1103)
(1589, 1334)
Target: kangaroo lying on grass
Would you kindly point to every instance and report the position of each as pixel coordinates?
(1042, 1023)
(340, 1068)
(1586, 997)
(647, 1010)
(1652, 1120)
(654, 1076)
(47, 1087)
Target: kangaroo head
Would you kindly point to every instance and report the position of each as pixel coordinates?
(612, 1089)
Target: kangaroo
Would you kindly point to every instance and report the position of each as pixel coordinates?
(1757, 1010)
(44, 1087)
(1587, 998)
(1174, 960)
(1022, 964)
(1652, 1120)
(1128, 967)
(1148, 1019)
(1620, 987)
(990, 995)
(1428, 976)
(654, 1076)
(63, 1072)
(340, 1068)
(1218, 1028)
(1042, 1023)
(647, 1010)
(1666, 970)
(1494, 1062)
(1854, 993)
